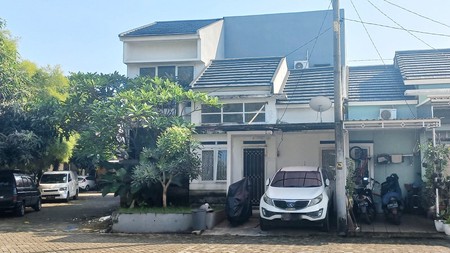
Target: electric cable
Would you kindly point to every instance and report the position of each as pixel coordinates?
(387, 16)
(367, 31)
(417, 14)
(397, 28)
(312, 50)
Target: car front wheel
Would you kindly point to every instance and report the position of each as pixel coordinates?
(20, 209)
(263, 224)
(326, 224)
(37, 207)
(87, 188)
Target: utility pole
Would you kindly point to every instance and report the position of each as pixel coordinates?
(341, 199)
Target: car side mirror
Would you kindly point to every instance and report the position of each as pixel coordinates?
(268, 182)
(327, 182)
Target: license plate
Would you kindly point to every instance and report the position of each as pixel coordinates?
(50, 197)
(289, 216)
(392, 205)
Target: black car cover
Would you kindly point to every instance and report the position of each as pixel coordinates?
(238, 206)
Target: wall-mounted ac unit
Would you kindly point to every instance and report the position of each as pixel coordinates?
(301, 64)
(386, 114)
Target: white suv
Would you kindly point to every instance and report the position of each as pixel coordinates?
(297, 193)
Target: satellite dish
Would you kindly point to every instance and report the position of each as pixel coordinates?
(320, 103)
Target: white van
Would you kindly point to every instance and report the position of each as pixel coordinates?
(59, 185)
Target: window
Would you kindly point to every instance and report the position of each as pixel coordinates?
(237, 113)
(183, 74)
(214, 164)
(166, 72)
(151, 72)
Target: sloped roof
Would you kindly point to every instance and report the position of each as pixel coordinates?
(239, 72)
(424, 64)
(169, 28)
(304, 84)
(375, 83)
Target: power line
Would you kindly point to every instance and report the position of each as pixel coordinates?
(312, 50)
(418, 14)
(367, 31)
(397, 28)
(399, 24)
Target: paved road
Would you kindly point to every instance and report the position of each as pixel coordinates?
(63, 227)
(95, 242)
(61, 216)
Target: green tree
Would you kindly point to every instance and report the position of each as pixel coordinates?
(29, 101)
(88, 93)
(173, 156)
(136, 117)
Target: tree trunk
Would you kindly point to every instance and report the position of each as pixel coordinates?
(164, 196)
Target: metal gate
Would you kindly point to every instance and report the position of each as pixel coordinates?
(254, 171)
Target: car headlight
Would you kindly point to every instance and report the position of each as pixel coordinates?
(63, 188)
(316, 200)
(268, 200)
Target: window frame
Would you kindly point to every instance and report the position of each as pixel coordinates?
(216, 148)
(176, 73)
(243, 114)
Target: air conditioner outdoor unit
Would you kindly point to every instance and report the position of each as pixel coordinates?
(301, 64)
(386, 114)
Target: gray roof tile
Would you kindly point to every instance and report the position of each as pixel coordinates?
(304, 84)
(424, 64)
(169, 28)
(239, 72)
(375, 83)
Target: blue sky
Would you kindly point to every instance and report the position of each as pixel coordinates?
(83, 35)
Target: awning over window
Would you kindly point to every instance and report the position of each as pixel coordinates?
(392, 124)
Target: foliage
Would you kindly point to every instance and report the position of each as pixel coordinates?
(29, 100)
(12, 79)
(435, 160)
(172, 157)
(144, 117)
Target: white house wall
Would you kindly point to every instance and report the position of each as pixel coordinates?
(211, 42)
(302, 114)
(160, 51)
(404, 142)
(301, 148)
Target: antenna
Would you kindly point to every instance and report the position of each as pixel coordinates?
(320, 104)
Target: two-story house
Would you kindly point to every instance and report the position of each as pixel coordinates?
(246, 62)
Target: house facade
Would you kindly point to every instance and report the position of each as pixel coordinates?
(246, 62)
(265, 69)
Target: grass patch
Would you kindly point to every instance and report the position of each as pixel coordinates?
(156, 210)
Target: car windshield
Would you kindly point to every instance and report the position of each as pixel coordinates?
(53, 178)
(297, 179)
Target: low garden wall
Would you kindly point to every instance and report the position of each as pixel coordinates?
(164, 222)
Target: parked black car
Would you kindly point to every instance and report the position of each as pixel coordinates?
(18, 191)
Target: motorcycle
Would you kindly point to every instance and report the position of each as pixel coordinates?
(364, 206)
(391, 196)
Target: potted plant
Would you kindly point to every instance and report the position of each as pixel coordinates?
(435, 160)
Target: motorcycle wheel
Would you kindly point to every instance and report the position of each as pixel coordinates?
(370, 215)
